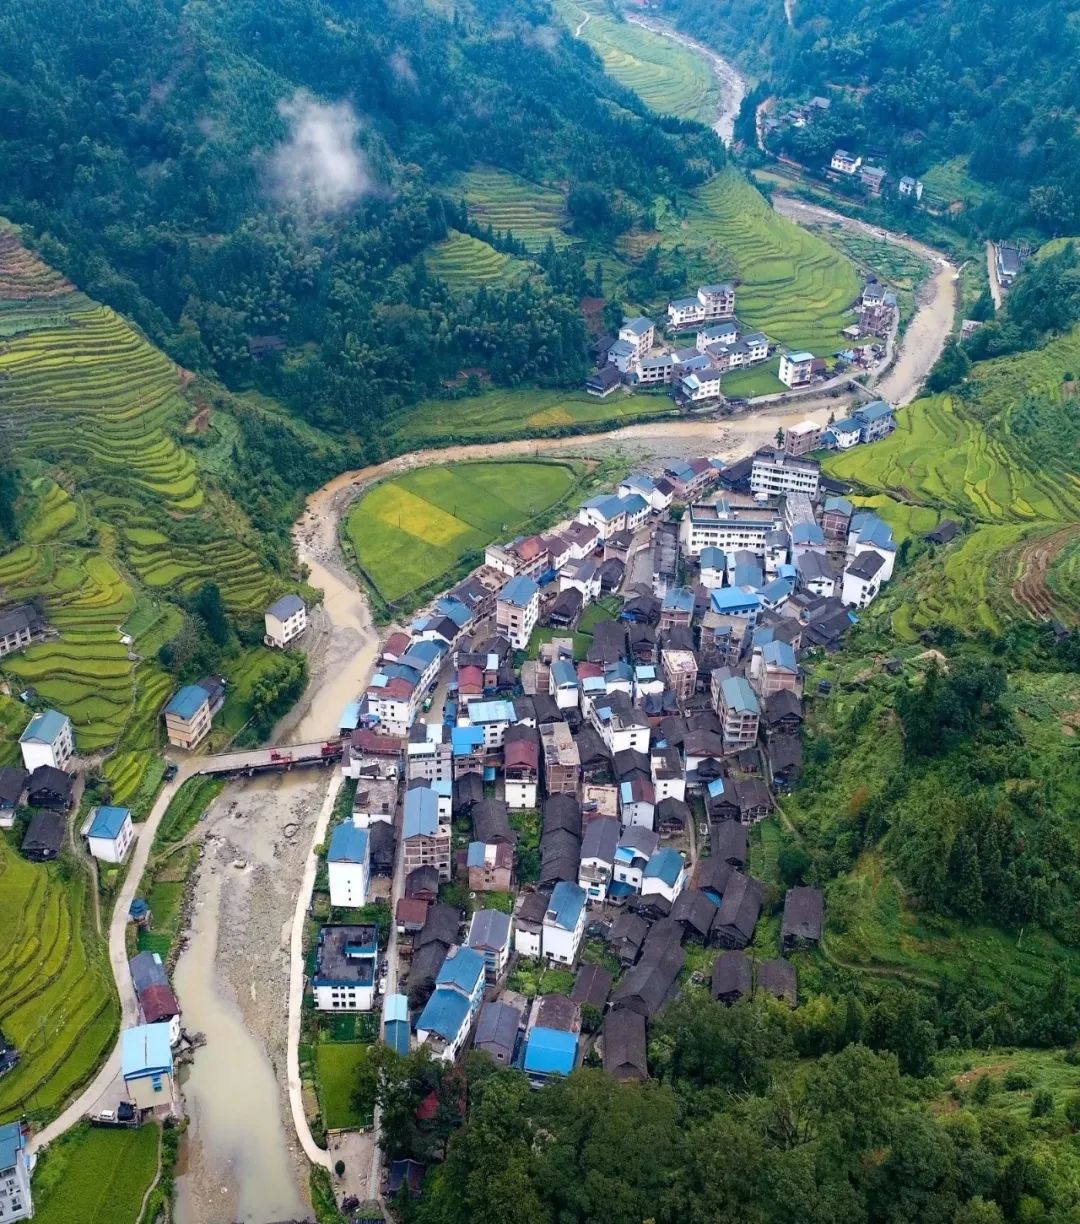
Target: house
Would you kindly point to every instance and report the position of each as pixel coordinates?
(556, 1011)
(773, 667)
(599, 839)
(739, 711)
(517, 610)
(489, 934)
(626, 937)
(18, 628)
(909, 187)
(701, 386)
(497, 1031)
(637, 800)
(564, 923)
(796, 369)
(664, 875)
(444, 1023)
(582, 537)
(623, 1044)
(410, 913)
(1009, 259)
(681, 672)
(583, 576)
(345, 959)
(109, 833)
(146, 1064)
(603, 381)
(740, 908)
(13, 779)
(634, 849)
(563, 684)
(284, 621)
(491, 822)
(862, 579)
(490, 866)
(158, 1004)
(676, 608)
(843, 435)
(381, 842)
(44, 837)
(836, 517)
(775, 472)
(16, 1165)
(727, 527)
(619, 723)
(606, 513)
(778, 978)
(407, 1175)
(873, 179)
(562, 763)
(375, 799)
(548, 1053)
(804, 914)
(732, 977)
(426, 834)
(592, 987)
(566, 609)
(639, 333)
(654, 370)
(187, 717)
(877, 420)
(844, 162)
(529, 916)
(783, 713)
(943, 533)
(521, 766)
(47, 740)
(348, 866)
(728, 842)
(653, 981)
(801, 439)
(396, 1023)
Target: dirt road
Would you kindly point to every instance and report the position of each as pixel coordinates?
(935, 311)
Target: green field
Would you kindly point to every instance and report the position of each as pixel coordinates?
(952, 183)
(96, 1176)
(757, 380)
(510, 413)
(337, 1065)
(793, 285)
(665, 75)
(532, 212)
(898, 267)
(410, 531)
(466, 263)
(57, 1001)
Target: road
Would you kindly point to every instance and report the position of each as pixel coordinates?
(935, 311)
(996, 290)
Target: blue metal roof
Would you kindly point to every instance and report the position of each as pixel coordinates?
(678, 599)
(108, 821)
(800, 356)
(421, 812)
(396, 1033)
(607, 505)
(639, 326)
(444, 1014)
(567, 902)
(716, 788)
(847, 425)
(747, 573)
(734, 600)
(550, 1051)
(778, 590)
(11, 1144)
(44, 728)
(807, 533)
(348, 844)
(873, 412)
(779, 654)
(350, 716)
(421, 655)
(455, 610)
(839, 505)
(787, 570)
(491, 711)
(634, 504)
(738, 695)
(664, 865)
(466, 740)
(563, 672)
(713, 558)
(396, 1007)
(462, 970)
(519, 591)
(877, 533)
(144, 1050)
(640, 481)
(187, 702)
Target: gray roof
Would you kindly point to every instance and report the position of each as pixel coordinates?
(497, 1029)
(741, 906)
(778, 977)
(286, 606)
(731, 976)
(599, 839)
(866, 564)
(592, 985)
(804, 913)
(727, 840)
(624, 1045)
(489, 930)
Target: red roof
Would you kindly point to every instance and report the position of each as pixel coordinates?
(470, 679)
(428, 1108)
(373, 744)
(521, 753)
(587, 670)
(411, 911)
(396, 644)
(530, 547)
(158, 1003)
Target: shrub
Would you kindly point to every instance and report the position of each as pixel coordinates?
(1042, 1103)
(1017, 1080)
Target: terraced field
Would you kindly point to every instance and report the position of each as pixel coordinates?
(668, 77)
(792, 284)
(96, 1176)
(532, 212)
(122, 519)
(57, 1002)
(466, 263)
(521, 413)
(409, 531)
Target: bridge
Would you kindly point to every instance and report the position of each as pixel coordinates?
(267, 760)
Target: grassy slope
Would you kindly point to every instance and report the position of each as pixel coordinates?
(96, 1176)
(466, 263)
(410, 530)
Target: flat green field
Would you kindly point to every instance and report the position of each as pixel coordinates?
(757, 380)
(665, 75)
(337, 1065)
(57, 1003)
(466, 263)
(793, 285)
(522, 413)
(411, 530)
(96, 1176)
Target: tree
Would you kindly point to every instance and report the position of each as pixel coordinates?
(779, 437)
(793, 862)
(339, 1168)
(209, 605)
(1042, 1103)
(9, 491)
(950, 369)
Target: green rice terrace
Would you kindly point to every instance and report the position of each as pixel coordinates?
(668, 77)
(412, 530)
(57, 1002)
(466, 263)
(1004, 460)
(96, 1176)
(532, 212)
(123, 519)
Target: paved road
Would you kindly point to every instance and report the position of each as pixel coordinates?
(997, 292)
(103, 1090)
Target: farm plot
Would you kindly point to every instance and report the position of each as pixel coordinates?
(792, 284)
(337, 1065)
(96, 1176)
(409, 531)
(57, 1003)
(530, 211)
(466, 263)
(522, 413)
(665, 75)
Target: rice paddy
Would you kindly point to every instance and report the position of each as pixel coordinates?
(96, 1176)
(57, 1002)
(466, 263)
(410, 531)
(532, 212)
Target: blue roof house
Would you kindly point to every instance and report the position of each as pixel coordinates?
(47, 740)
(665, 874)
(549, 1052)
(421, 813)
(348, 866)
(396, 1023)
(447, 1016)
(146, 1063)
(109, 833)
(564, 923)
(187, 717)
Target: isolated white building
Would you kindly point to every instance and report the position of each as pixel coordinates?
(284, 620)
(348, 866)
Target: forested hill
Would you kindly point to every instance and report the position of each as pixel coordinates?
(222, 171)
(926, 82)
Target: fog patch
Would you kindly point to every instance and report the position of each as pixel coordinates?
(319, 167)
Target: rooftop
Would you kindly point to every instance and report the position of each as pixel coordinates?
(738, 695)
(462, 970)
(186, 703)
(286, 606)
(421, 812)
(348, 844)
(665, 865)
(444, 1014)
(565, 905)
(550, 1052)
(144, 1050)
(489, 930)
(519, 591)
(44, 728)
(107, 822)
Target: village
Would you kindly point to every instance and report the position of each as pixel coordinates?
(638, 358)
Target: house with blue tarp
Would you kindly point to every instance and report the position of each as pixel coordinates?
(549, 1052)
(396, 1023)
(448, 1015)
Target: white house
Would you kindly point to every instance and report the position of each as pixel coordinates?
(774, 473)
(563, 684)
(598, 841)
(846, 433)
(665, 874)
(344, 978)
(109, 834)
(911, 187)
(713, 567)
(637, 801)
(516, 611)
(796, 368)
(564, 923)
(863, 579)
(285, 620)
(728, 528)
(869, 532)
(702, 385)
(348, 865)
(583, 576)
(16, 1165)
(718, 333)
(447, 1017)
(639, 333)
(489, 934)
(47, 740)
(844, 162)
(607, 513)
(636, 846)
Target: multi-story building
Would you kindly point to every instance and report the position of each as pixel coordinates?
(18, 628)
(796, 369)
(876, 420)
(348, 866)
(737, 705)
(447, 1017)
(284, 621)
(146, 1065)
(711, 302)
(639, 333)
(729, 528)
(562, 761)
(680, 669)
(564, 923)
(425, 832)
(109, 834)
(16, 1165)
(344, 977)
(801, 439)
(49, 740)
(490, 866)
(773, 473)
(429, 754)
(516, 611)
(489, 934)
(187, 717)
